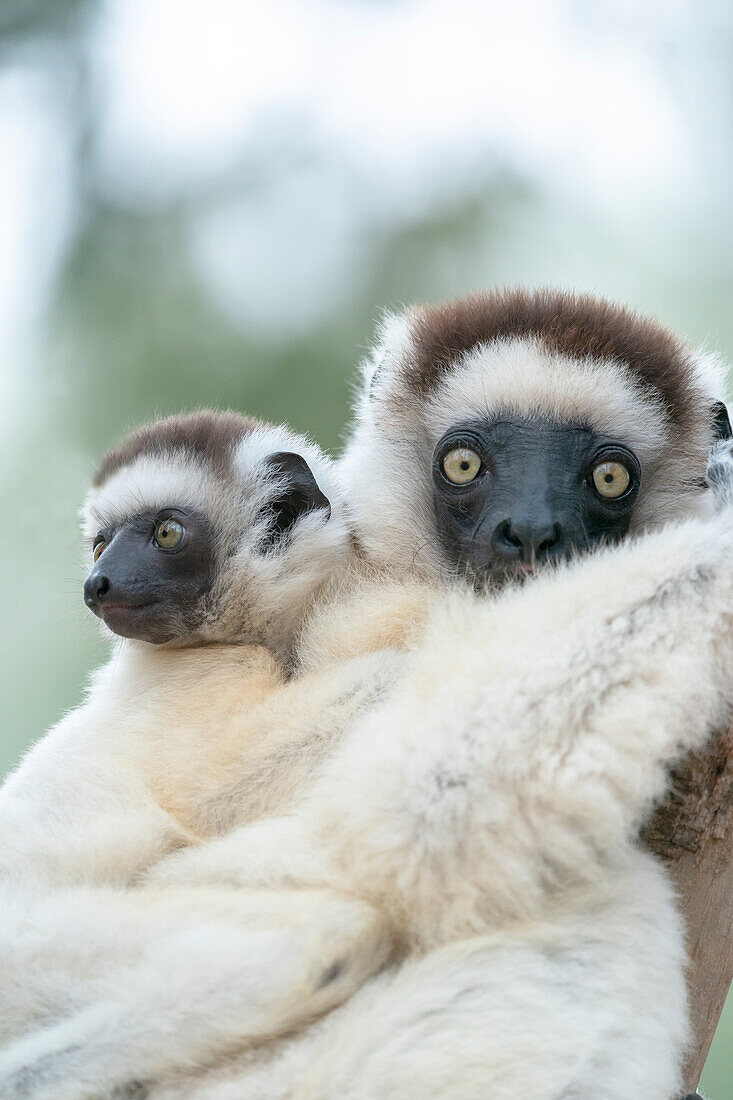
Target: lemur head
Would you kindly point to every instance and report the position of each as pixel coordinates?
(211, 527)
(507, 429)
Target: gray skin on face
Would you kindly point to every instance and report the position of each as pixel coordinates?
(532, 497)
(153, 574)
(145, 588)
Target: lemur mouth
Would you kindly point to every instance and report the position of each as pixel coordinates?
(145, 622)
(121, 611)
(117, 615)
(105, 608)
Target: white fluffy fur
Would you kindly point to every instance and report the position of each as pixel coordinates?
(215, 737)
(490, 807)
(521, 377)
(150, 482)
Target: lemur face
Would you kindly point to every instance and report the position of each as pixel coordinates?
(513, 493)
(152, 573)
(211, 528)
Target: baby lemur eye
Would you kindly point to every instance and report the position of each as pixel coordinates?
(168, 534)
(99, 547)
(611, 479)
(461, 465)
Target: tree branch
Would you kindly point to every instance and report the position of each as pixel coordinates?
(692, 832)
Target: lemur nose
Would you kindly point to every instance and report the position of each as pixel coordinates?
(96, 589)
(525, 541)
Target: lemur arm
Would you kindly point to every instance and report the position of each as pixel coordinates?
(114, 786)
(145, 982)
(216, 971)
(75, 811)
(543, 1009)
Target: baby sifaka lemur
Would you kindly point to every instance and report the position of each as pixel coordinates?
(212, 536)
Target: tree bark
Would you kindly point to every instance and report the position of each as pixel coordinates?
(692, 832)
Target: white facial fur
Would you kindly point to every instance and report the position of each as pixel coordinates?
(259, 595)
(387, 464)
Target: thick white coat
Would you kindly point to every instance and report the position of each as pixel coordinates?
(490, 805)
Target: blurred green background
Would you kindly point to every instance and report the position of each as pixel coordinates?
(210, 203)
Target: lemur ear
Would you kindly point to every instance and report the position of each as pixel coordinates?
(299, 494)
(394, 340)
(721, 422)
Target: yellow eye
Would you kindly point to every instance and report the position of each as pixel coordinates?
(99, 548)
(611, 479)
(168, 534)
(461, 465)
